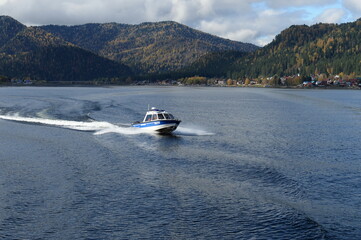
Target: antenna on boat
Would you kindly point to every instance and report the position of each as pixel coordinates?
(148, 107)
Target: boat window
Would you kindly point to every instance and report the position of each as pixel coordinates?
(166, 115)
(154, 117)
(160, 116)
(171, 116)
(148, 118)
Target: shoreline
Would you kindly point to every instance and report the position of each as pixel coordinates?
(190, 86)
(88, 84)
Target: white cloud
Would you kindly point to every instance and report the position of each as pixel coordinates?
(156, 10)
(354, 6)
(214, 26)
(298, 3)
(242, 34)
(332, 15)
(255, 27)
(255, 21)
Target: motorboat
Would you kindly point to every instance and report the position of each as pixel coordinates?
(158, 121)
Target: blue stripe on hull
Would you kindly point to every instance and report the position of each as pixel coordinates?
(156, 123)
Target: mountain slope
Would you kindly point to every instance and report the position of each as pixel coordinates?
(9, 27)
(321, 48)
(212, 65)
(30, 39)
(148, 47)
(33, 52)
(61, 63)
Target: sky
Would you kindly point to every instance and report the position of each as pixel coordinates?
(252, 21)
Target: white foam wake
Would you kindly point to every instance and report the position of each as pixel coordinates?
(94, 126)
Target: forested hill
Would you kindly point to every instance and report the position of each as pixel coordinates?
(31, 39)
(9, 27)
(31, 52)
(110, 51)
(147, 47)
(322, 48)
(106, 51)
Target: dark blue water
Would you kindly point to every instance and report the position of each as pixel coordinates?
(244, 164)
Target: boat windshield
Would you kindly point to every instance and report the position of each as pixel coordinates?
(168, 116)
(160, 116)
(148, 118)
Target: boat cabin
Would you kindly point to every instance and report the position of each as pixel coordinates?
(155, 115)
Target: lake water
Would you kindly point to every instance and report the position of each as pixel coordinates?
(244, 164)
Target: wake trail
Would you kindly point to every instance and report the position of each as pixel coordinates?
(100, 127)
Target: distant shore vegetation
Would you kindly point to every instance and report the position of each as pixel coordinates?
(296, 81)
(321, 81)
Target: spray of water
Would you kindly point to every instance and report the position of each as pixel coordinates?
(192, 131)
